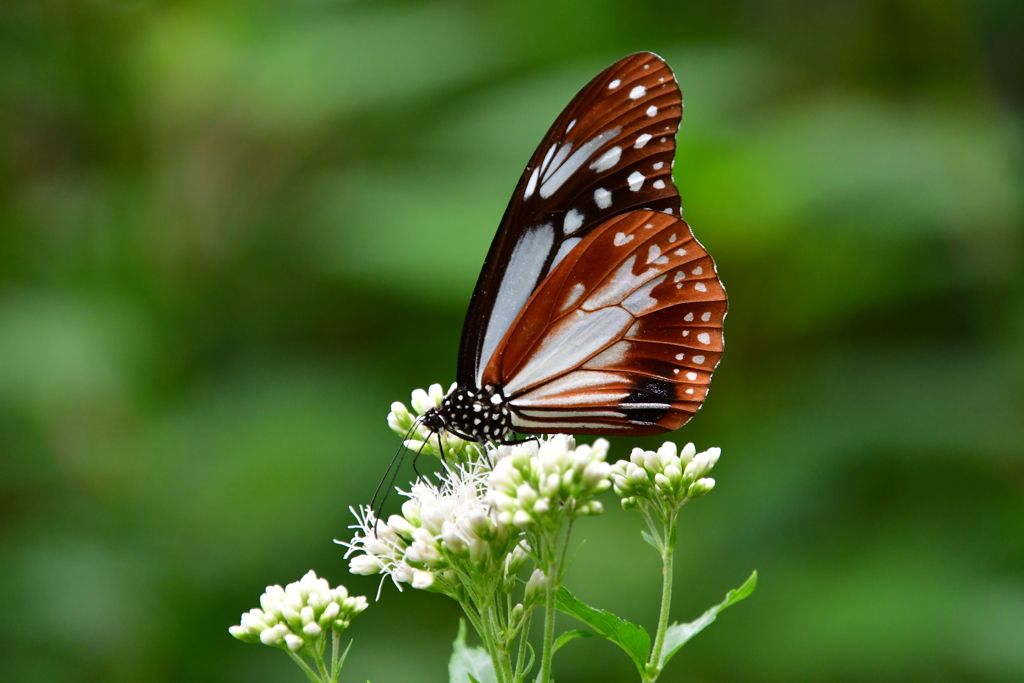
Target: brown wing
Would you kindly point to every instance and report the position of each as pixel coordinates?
(609, 152)
(621, 338)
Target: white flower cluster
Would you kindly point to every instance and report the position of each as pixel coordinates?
(421, 439)
(663, 477)
(442, 530)
(535, 482)
(298, 614)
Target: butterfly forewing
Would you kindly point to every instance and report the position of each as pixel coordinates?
(609, 152)
(621, 337)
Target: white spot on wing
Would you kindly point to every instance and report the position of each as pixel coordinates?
(603, 198)
(691, 376)
(688, 317)
(578, 158)
(689, 391)
(574, 295)
(652, 111)
(641, 141)
(614, 84)
(637, 92)
(563, 249)
(531, 186)
(618, 286)
(636, 180)
(668, 211)
(571, 124)
(700, 287)
(704, 338)
(680, 252)
(657, 166)
(654, 255)
(678, 276)
(547, 157)
(622, 238)
(524, 267)
(659, 184)
(706, 316)
(573, 221)
(607, 160)
(699, 360)
(680, 356)
(557, 161)
(698, 270)
(641, 301)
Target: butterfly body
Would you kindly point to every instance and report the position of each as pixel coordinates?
(596, 311)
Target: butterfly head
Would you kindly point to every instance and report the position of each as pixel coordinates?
(472, 413)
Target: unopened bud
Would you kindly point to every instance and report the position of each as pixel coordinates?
(534, 587)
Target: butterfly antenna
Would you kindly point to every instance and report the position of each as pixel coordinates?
(395, 458)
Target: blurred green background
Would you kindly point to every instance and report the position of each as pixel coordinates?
(234, 232)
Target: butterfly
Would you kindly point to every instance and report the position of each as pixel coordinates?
(596, 311)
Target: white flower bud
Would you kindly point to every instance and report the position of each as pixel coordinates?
(242, 634)
(550, 486)
(411, 511)
(595, 473)
(639, 477)
(652, 463)
(421, 401)
(308, 615)
(663, 482)
(701, 487)
(667, 451)
(542, 506)
(422, 579)
(689, 450)
(364, 564)
(534, 586)
(522, 519)
(401, 526)
(329, 614)
(294, 642)
(292, 617)
(673, 473)
(271, 636)
(526, 495)
(312, 630)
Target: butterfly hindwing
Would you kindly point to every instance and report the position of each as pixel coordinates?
(622, 337)
(609, 152)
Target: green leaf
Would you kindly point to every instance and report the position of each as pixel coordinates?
(572, 635)
(630, 637)
(651, 540)
(678, 634)
(469, 664)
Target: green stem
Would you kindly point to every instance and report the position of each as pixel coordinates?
(553, 574)
(497, 649)
(653, 665)
(318, 657)
(335, 664)
(305, 667)
(550, 590)
(521, 658)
